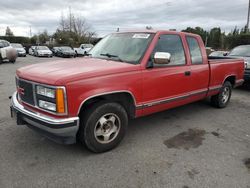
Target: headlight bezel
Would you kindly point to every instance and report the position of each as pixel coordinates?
(51, 99)
(36, 97)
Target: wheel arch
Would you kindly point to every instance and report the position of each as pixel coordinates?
(231, 79)
(124, 97)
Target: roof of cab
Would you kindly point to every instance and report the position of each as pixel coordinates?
(154, 31)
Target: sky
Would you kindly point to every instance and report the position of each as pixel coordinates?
(105, 16)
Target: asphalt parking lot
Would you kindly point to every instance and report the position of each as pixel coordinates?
(191, 146)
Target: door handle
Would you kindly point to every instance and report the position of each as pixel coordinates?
(187, 73)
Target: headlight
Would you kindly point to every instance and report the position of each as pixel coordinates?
(47, 105)
(47, 92)
(52, 99)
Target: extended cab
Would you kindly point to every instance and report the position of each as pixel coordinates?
(126, 75)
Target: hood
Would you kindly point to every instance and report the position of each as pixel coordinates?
(68, 51)
(44, 51)
(62, 72)
(246, 59)
(240, 57)
(20, 49)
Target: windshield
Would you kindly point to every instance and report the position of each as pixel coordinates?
(66, 48)
(42, 48)
(14, 45)
(243, 51)
(126, 47)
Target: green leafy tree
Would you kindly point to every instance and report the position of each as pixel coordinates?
(8, 32)
(215, 38)
(198, 31)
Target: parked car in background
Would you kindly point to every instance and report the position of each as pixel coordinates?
(127, 75)
(218, 54)
(32, 50)
(209, 50)
(7, 52)
(65, 51)
(21, 52)
(55, 50)
(243, 52)
(83, 49)
(43, 51)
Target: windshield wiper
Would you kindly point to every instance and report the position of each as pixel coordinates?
(111, 55)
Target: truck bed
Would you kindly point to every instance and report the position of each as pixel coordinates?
(221, 67)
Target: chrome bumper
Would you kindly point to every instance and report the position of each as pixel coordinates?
(61, 130)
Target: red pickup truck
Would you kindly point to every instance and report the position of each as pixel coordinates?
(126, 75)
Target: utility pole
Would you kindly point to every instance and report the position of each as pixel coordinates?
(30, 32)
(70, 19)
(248, 17)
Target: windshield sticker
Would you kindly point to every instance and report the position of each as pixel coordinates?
(141, 36)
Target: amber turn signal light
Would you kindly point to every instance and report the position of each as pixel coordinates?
(60, 104)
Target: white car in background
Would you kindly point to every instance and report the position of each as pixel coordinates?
(83, 49)
(43, 51)
(7, 52)
(19, 48)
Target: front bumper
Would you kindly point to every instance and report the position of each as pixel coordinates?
(21, 54)
(68, 55)
(57, 129)
(44, 55)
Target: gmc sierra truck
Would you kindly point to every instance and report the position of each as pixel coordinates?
(125, 76)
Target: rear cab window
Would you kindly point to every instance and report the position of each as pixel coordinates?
(195, 50)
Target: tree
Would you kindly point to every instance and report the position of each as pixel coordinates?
(198, 31)
(8, 32)
(214, 39)
(43, 37)
(72, 30)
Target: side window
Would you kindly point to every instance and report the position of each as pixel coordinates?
(195, 50)
(173, 45)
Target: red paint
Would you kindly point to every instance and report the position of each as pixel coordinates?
(86, 77)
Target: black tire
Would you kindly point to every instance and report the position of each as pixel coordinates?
(222, 99)
(12, 61)
(91, 120)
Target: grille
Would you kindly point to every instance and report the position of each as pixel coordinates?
(25, 91)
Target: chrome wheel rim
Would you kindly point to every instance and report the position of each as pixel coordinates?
(225, 94)
(107, 128)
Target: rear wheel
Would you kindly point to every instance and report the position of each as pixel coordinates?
(223, 97)
(103, 126)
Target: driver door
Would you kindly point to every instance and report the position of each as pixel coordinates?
(168, 85)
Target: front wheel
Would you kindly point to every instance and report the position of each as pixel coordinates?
(103, 126)
(223, 97)
(12, 61)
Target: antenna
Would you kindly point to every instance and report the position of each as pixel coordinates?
(248, 16)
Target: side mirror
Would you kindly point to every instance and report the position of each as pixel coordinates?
(82, 47)
(162, 58)
(225, 53)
